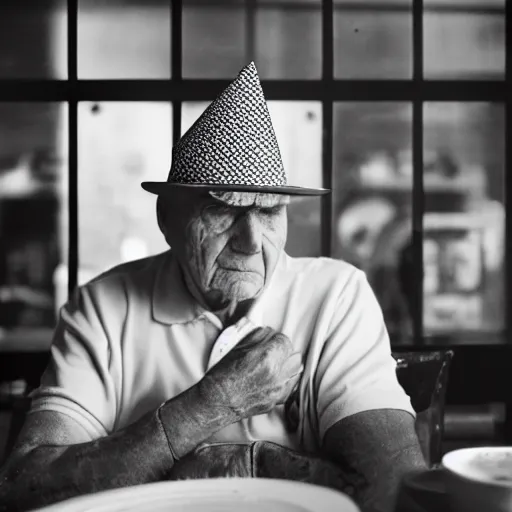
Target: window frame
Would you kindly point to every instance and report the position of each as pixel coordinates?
(327, 89)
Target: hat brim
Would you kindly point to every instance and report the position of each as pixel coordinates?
(160, 187)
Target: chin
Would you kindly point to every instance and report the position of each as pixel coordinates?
(235, 288)
(242, 291)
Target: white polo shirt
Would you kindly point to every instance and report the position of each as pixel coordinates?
(134, 337)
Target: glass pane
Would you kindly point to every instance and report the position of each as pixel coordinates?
(33, 160)
(298, 127)
(464, 39)
(372, 202)
(464, 223)
(282, 37)
(288, 39)
(214, 39)
(373, 41)
(119, 146)
(124, 39)
(33, 39)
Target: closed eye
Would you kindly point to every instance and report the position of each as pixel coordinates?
(274, 210)
(219, 209)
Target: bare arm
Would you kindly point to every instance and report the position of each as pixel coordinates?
(54, 460)
(375, 450)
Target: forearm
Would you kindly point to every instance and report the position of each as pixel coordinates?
(135, 455)
(374, 451)
(47, 474)
(380, 488)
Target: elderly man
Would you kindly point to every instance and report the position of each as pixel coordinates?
(223, 340)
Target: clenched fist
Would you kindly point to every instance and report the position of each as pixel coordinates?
(255, 376)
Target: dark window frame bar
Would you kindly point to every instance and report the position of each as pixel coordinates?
(418, 207)
(508, 176)
(326, 205)
(326, 89)
(73, 239)
(292, 90)
(176, 7)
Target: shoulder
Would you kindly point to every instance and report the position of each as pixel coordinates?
(330, 275)
(121, 284)
(323, 291)
(132, 270)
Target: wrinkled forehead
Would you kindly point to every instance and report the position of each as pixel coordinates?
(245, 199)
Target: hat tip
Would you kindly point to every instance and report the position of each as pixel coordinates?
(251, 66)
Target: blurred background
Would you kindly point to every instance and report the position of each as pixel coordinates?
(369, 221)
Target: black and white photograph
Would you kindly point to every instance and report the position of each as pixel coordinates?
(255, 255)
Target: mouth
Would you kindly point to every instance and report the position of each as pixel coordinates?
(241, 270)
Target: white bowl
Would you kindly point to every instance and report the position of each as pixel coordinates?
(480, 479)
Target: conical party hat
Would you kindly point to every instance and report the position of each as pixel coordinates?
(232, 146)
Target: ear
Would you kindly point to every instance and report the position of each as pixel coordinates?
(161, 214)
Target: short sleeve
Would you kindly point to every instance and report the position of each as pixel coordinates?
(76, 381)
(356, 371)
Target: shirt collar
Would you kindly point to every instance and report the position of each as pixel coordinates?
(174, 304)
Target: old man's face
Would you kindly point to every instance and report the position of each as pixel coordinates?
(228, 243)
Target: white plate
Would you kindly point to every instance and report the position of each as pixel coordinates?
(212, 495)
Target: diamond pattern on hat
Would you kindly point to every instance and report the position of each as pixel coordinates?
(233, 141)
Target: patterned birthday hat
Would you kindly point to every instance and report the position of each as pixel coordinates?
(232, 146)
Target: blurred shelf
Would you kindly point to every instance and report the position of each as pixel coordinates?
(475, 422)
(25, 339)
(483, 338)
(480, 338)
(41, 193)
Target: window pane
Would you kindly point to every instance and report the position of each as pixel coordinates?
(298, 127)
(214, 39)
(33, 138)
(120, 145)
(289, 39)
(33, 39)
(282, 37)
(124, 39)
(372, 202)
(464, 220)
(464, 39)
(373, 41)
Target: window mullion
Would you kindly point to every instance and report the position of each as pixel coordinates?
(176, 64)
(73, 242)
(418, 197)
(508, 178)
(250, 30)
(327, 126)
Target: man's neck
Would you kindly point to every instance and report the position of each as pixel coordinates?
(233, 312)
(229, 314)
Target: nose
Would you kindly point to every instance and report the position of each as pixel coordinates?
(247, 236)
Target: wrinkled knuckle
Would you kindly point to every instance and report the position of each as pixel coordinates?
(284, 343)
(281, 338)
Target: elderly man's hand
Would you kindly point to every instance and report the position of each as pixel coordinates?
(255, 376)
